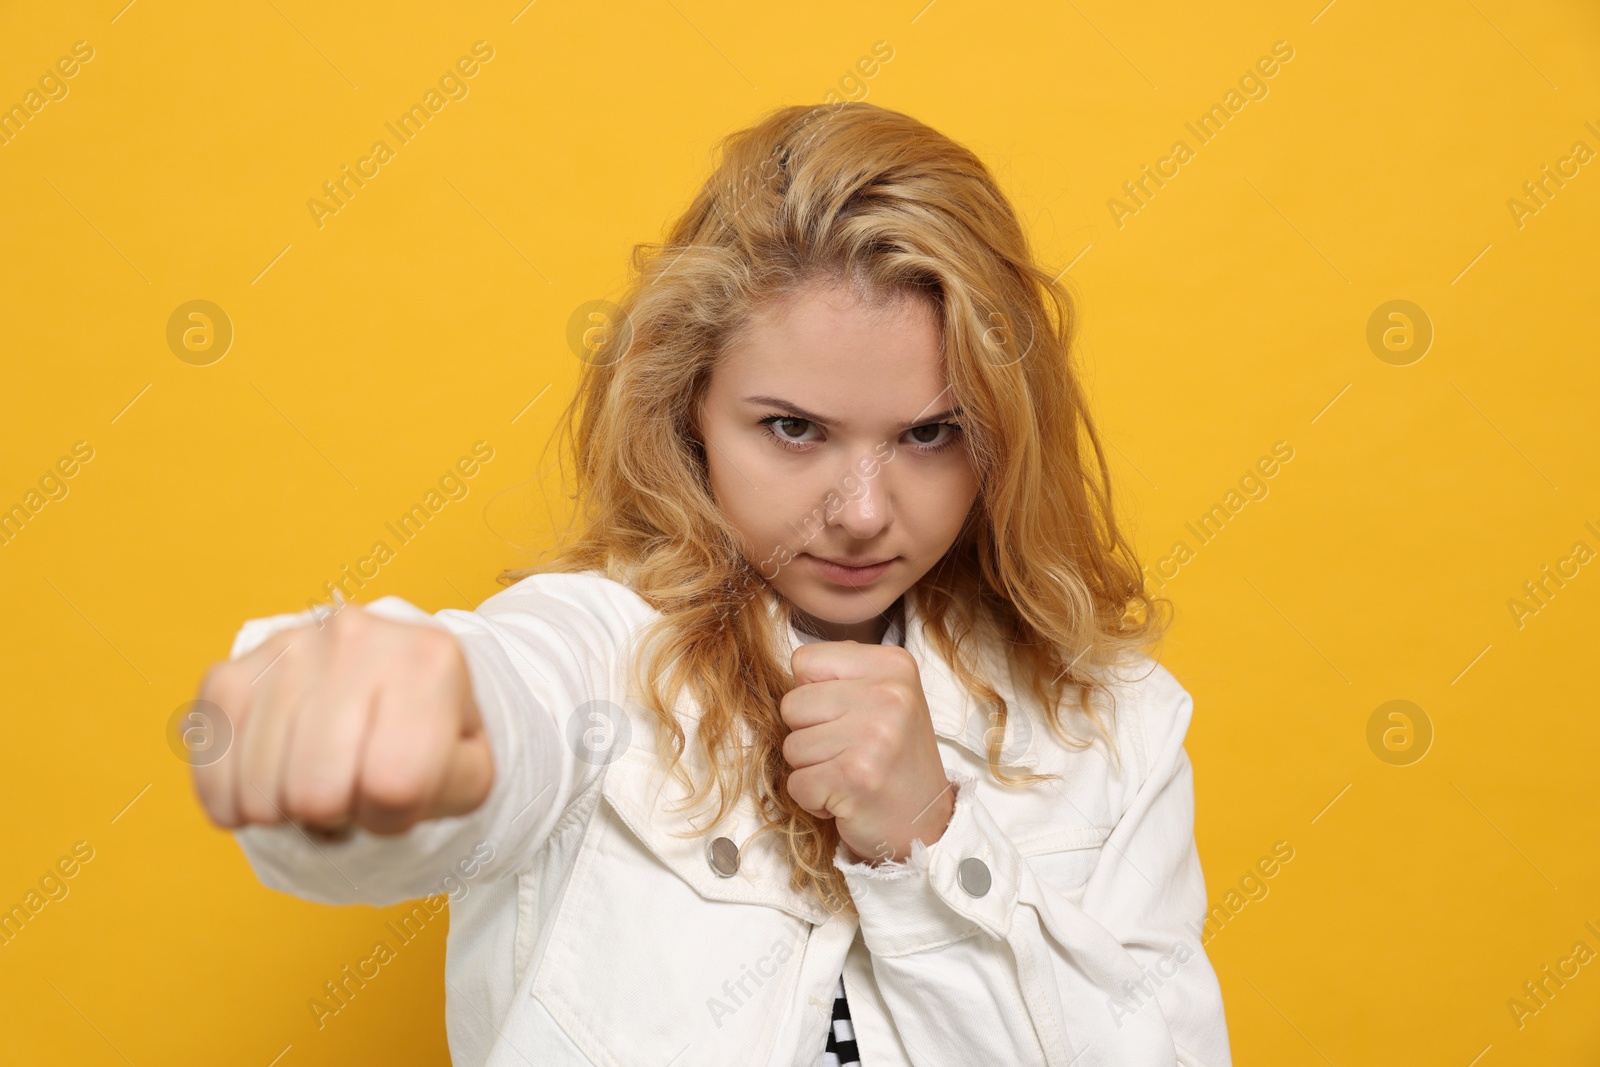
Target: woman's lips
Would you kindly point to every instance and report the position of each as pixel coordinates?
(854, 576)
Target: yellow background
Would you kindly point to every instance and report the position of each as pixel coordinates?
(1229, 313)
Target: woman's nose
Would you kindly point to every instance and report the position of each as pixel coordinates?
(865, 509)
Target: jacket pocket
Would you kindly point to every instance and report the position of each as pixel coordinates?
(1063, 861)
(655, 957)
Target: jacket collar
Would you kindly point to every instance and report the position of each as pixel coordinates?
(957, 717)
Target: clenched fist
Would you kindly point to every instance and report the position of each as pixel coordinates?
(863, 748)
(363, 722)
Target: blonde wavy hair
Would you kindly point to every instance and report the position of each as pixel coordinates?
(848, 191)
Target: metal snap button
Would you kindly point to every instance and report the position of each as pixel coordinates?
(724, 856)
(973, 874)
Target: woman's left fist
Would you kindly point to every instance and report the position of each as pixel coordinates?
(863, 748)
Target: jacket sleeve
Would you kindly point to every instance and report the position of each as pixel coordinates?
(1020, 974)
(534, 659)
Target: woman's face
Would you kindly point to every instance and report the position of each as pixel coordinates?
(830, 435)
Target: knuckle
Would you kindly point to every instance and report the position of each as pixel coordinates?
(881, 692)
(269, 650)
(392, 791)
(256, 806)
(350, 627)
(897, 701)
(859, 770)
(350, 642)
(880, 735)
(223, 685)
(385, 819)
(436, 651)
(315, 800)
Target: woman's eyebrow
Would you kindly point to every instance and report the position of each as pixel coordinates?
(809, 416)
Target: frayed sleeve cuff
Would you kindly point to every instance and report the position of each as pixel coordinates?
(964, 882)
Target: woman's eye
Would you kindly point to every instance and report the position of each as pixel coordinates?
(784, 439)
(926, 438)
(788, 427)
(929, 445)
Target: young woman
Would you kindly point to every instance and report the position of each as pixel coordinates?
(828, 734)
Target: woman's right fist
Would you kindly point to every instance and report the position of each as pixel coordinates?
(362, 722)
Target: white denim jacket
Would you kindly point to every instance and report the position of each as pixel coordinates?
(1054, 925)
